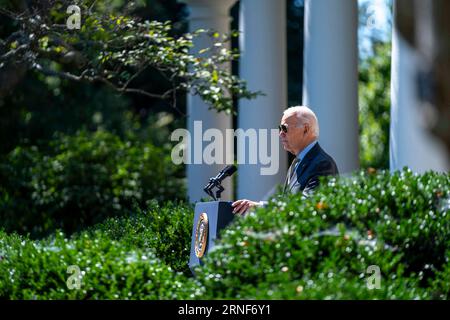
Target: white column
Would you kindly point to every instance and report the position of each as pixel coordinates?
(263, 65)
(410, 142)
(331, 76)
(214, 15)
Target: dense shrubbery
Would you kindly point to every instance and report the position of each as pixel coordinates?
(118, 259)
(81, 180)
(315, 248)
(321, 247)
(110, 270)
(166, 228)
(374, 107)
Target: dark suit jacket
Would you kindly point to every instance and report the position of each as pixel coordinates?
(315, 164)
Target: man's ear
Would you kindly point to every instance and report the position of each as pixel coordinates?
(306, 130)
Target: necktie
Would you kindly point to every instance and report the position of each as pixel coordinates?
(290, 173)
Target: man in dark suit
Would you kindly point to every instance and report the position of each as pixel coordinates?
(299, 133)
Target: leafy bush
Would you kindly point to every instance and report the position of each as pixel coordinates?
(81, 180)
(166, 229)
(109, 270)
(296, 248)
(374, 107)
(321, 247)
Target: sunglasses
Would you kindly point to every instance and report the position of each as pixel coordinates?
(283, 127)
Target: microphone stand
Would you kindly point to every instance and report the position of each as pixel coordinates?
(214, 183)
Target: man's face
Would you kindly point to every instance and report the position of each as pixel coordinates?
(293, 139)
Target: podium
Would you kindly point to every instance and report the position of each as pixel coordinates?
(209, 219)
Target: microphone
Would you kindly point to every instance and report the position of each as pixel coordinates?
(226, 172)
(216, 181)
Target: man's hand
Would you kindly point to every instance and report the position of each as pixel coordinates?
(241, 206)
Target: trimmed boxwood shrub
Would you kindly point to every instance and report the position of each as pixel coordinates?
(82, 180)
(321, 247)
(165, 228)
(134, 257)
(109, 270)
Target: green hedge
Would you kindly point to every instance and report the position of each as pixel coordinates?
(118, 258)
(110, 270)
(321, 247)
(167, 229)
(82, 180)
(296, 248)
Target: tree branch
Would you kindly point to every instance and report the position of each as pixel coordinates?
(83, 77)
(13, 52)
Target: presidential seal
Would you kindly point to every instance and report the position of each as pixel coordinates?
(201, 235)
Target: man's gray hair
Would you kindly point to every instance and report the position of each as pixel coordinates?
(305, 116)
